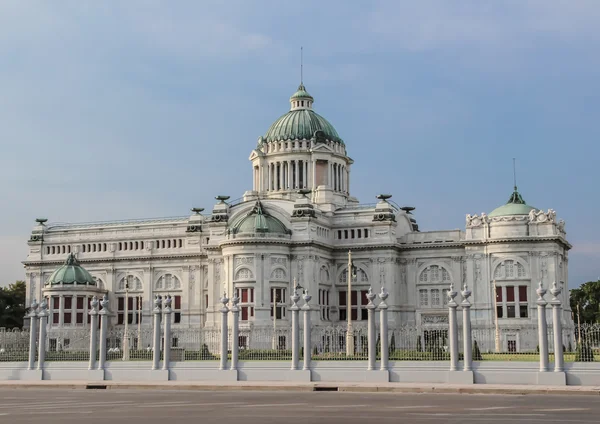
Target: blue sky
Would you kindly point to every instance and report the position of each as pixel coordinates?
(115, 110)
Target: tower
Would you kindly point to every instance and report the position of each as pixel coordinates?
(302, 150)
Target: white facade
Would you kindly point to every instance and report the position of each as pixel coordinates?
(197, 258)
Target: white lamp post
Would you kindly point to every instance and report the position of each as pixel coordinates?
(349, 332)
(126, 329)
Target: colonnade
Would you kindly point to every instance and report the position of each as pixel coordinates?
(299, 174)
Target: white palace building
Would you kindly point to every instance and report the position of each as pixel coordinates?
(297, 224)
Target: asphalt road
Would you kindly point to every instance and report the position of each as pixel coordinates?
(52, 406)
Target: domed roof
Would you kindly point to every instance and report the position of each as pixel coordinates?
(257, 221)
(301, 122)
(515, 206)
(71, 273)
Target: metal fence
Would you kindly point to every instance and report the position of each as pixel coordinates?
(519, 344)
(410, 343)
(586, 343)
(134, 345)
(14, 345)
(195, 344)
(329, 343)
(68, 345)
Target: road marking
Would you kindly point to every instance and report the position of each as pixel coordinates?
(489, 408)
(65, 405)
(412, 406)
(55, 412)
(185, 403)
(340, 406)
(269, 405)
(562, 409)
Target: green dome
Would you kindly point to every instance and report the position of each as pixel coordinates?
(515, 206)
(301, 122)
(71, 273)
(257, 221)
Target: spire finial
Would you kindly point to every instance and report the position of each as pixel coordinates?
(515, 173)
(301, 66)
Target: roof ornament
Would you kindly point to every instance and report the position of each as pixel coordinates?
(72, 260)
(515, 173)
(301, 67)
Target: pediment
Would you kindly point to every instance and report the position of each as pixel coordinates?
(256, 154)
(322, 148)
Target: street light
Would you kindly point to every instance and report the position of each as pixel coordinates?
(274, 344)
(349, 331)
(126, 329)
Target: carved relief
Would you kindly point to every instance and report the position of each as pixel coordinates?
(541, 216)
(477, 270)
(434, 319)
(278, 260)
(244, 260)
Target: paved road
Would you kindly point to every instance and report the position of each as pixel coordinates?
(53, 406)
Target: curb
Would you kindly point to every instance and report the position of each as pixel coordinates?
(319, 387)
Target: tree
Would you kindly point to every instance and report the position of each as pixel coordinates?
(587, 296)
(12, 305)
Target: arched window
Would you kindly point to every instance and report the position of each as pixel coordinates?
(244, 274)
(509, 270)
(434, 274)
(168, 282)
(324, 275)
(99, 283)
(135, 284)
(361, 276)
(278, 274)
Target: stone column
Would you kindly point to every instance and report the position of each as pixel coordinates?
(542, 328)
(307, 343)
(167, 336)
(453, 328)
(383, 307)
(224, 338)
(281, 176)
(93, 332)
(33, 323)
(557, 328)
(297, 176)
(43, 314)
(61, 311)
(468, 348)
(295, 329)
(235, 348)
(305, 174)
(104, 314)
(371, 342)
(156, 333)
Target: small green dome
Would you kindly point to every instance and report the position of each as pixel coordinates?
(515, 206)
(257, 221)
(301, 93)
(301, 122)
(71, 273)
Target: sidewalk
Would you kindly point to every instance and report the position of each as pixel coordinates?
(309, 387)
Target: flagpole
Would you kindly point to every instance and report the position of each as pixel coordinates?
(349, 332)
